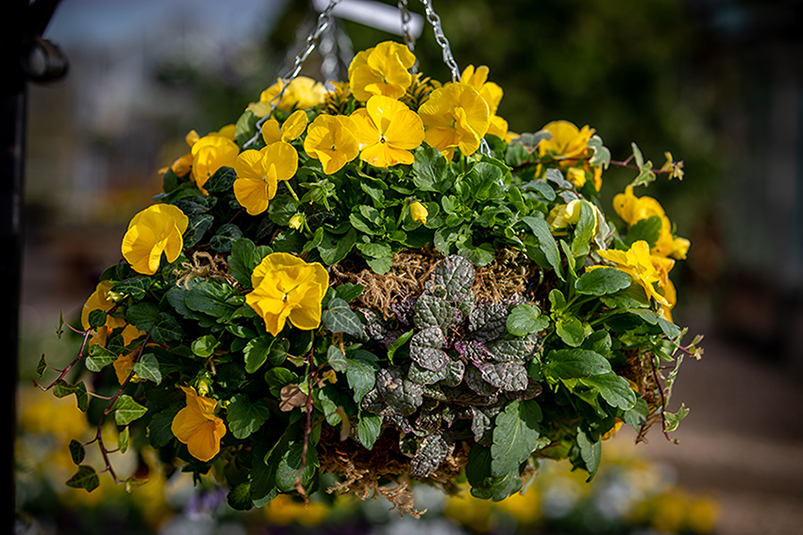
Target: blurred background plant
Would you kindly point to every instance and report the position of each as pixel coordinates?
(716, 83)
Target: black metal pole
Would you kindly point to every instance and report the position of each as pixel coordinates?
(24, 56)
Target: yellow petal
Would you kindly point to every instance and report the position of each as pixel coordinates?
(252, 194)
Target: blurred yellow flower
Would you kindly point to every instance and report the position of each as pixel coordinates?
(292, 127)
(283, 510)
(125, 362)
(259, 172)
(287, 288)
(418, 212)
(157, 229)
(302, 93)
(388, 131)
(381, 70)
(568, 142)
(197, 426)
(334, 140)
(210, 153)
(455, 116)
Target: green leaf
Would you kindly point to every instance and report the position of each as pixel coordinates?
(239, 497)
(246, 417)
(85, 478)
(614, 390)
(673, 419)
(281, 209)
(124, 439)
(515, 436)
(196, 229)
(602, 281)
(167, 329)
(62, 388)
(225, 237)
(339, 318)
(257, 351)
(590, 452)
(361, 374)
(574, 363)
(97, 318)
(134, 286)
(484, 485)
(213, 298)
(245, 127)
(222, 181)
(525, 319)
(244, 257)
(126, 410)
(77, 452)
(143, 316)
(348, 292)
(148, 368)
(648, 229)
(336, 359)
(572, 330)
(369, 427)
(431, 171)
(160, 431)
(546, 243)
(99, 357)
(584, 230)
(334, 248)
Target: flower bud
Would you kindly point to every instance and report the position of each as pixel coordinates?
(297, 221)
(418, 212)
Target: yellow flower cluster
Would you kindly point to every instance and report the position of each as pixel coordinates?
(569, 147)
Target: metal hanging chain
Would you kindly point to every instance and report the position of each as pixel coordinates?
(435, 22)
(409, 40)
(448, 57)
(298, 63)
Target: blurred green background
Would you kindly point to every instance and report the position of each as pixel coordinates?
(718, 83)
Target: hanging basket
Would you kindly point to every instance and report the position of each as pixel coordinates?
(379, 281)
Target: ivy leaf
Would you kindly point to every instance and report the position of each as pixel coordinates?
(515, 436)
(85, 478)
(246, 417)
(148, 368)
(336, 359)
(602, 281)
(143, 316)
(77, 452)
(126, 410)
(339, 318)
(167, 329)
(63, 388)
(124, 439)
(99, 357)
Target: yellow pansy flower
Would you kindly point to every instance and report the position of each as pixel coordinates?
(418, 212)
(99, 299)
(293, 127)
(157, 229)
(125, 362)
(568, 142)
(287, 288)
(197, 426)
(633, 209)
(663, 266)
(492, 94)
(302, 92)
(638, 263)
(334, 140)
(455, 116)
(283, 510)
(381, 70)
(209, 154)
(259, 172)
(388, 131)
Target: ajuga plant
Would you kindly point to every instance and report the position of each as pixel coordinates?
(380, 282)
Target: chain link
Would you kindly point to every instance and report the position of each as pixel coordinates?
(298, 63)
(435, 21)
(409, 40)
